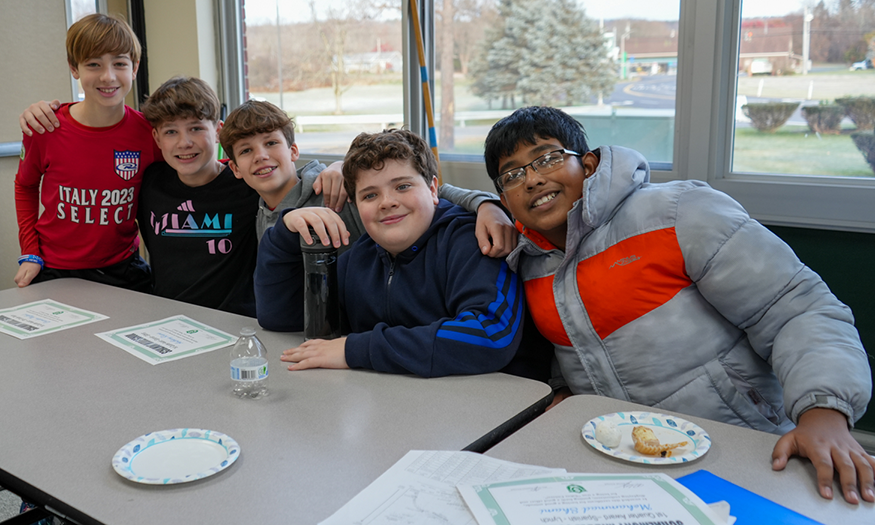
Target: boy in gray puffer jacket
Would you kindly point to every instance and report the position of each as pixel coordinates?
(671, 296)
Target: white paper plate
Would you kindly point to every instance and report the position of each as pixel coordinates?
(175, 456)
(668, 429)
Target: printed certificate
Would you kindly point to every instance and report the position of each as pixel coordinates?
(43, 317)
(168, 339)
(603, 499)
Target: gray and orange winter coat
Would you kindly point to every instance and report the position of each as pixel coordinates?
(671, 296)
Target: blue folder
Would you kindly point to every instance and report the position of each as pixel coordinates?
(747, 507)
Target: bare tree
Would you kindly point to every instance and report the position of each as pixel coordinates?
(334, 31)
(472, 18)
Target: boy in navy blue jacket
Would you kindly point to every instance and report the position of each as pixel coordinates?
(419, 296)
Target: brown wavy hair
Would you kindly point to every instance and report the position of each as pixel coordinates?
(98, 34)
(181, 98)
(251, 118)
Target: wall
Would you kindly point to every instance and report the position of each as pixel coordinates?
(181, 36)
(34, 62)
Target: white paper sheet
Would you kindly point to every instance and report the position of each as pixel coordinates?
(420, 489)
(168, 339)
(43, 317)
(603, 499)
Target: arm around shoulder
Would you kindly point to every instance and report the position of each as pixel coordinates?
(468, 199)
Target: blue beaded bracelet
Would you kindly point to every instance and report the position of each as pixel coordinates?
(31, 258)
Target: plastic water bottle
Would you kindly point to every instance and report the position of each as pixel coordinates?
(249, 366)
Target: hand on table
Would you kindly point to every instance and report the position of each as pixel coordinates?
(317, 353)
(26, 273)
(330, 184)
(328, 225)
(39, 116)
(823, 437)
(495, 232)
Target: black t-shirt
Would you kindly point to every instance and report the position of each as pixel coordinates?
(201, 241)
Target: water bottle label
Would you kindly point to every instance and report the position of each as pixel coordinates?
(249, 373)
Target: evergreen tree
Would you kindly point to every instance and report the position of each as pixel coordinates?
(495, 66)
(546, 51)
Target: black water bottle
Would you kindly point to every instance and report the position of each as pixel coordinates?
(321, 301)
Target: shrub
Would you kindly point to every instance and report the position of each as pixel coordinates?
(825, 118)
(861, 110)
(865, 142)
(769, 116)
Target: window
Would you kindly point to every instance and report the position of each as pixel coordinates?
(76, 9)
(613, 65)
(805, 88)
(335, 66)
(679, 103)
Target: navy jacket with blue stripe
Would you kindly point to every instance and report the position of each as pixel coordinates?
(438, 308)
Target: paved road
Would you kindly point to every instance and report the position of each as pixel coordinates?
(650, 92)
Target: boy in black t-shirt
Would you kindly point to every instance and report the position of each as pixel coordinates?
(197, 220)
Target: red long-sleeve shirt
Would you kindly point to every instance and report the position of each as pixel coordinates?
(90, 186)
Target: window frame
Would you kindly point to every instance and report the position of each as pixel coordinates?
(704, 123)
(706, 120)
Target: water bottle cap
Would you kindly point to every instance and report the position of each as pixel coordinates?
(247, 331)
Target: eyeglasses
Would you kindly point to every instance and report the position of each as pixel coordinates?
(546, 163)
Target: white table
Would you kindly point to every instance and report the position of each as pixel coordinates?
(71, 400)
(739, 455)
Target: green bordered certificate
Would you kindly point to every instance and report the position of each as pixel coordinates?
(605, 499)
(168, 339)
(43, 317)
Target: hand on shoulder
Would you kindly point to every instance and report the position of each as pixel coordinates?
(40, 116)
(495, 232)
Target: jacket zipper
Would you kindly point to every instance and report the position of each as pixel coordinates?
(389, 289)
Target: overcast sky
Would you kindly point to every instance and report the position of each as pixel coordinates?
(264, 11)
(669, 9)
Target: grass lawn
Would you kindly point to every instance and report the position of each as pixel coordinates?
(826, 86)
(795, 150)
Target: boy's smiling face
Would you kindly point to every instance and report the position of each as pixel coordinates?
(106, 79)
(542, 202)
(396, 204)
(189, 146)
(267, 164)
